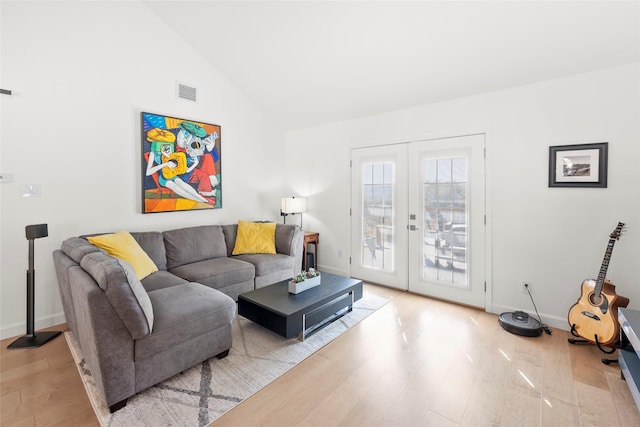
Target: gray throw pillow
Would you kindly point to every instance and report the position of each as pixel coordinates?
(139, 292)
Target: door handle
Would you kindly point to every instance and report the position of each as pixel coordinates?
(412, 228)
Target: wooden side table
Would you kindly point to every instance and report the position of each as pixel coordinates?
(314, 238)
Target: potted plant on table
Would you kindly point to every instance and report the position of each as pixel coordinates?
(303, 281)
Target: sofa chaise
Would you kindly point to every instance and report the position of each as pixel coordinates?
(137, 329)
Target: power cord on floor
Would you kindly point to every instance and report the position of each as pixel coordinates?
(545, 327)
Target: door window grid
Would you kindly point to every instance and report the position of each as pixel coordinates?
(445, 220)
(378, 195)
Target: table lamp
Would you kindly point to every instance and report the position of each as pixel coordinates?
(291, 206)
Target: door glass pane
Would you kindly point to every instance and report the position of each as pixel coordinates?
(445, 220)
(378, 195)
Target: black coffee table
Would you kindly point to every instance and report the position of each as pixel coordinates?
(300, 314)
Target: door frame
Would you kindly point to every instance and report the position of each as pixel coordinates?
(488, 134)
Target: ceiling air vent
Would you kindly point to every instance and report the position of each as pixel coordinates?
(186, 92)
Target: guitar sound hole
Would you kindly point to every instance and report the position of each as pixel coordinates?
(595, 299)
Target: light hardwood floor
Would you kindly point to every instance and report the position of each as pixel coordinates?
(415, 362)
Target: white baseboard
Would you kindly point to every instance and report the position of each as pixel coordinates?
(553, 321)
(547, 319)
(19, 329)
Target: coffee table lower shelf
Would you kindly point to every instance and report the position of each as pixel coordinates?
(303, 314)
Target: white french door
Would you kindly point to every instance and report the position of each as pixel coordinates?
(418, 217)
(378, 215)
(446, 219)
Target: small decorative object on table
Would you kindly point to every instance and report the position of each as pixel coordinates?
(303, 281)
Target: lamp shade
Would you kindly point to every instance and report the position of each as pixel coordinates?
(292, 205)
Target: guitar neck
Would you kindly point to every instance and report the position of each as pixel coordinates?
(604, 267)
(615, 235)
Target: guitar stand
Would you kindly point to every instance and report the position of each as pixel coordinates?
(584, 341)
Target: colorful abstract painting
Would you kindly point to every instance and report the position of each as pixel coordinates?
(180, 164)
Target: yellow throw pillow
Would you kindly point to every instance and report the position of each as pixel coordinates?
(255, 238)
(122, 245)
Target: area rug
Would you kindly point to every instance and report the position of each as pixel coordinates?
(202, 394)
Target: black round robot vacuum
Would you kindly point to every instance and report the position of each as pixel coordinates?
(520, 323)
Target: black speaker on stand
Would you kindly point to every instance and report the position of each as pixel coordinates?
(31, 339)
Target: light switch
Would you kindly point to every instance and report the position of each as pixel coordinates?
(30, 190)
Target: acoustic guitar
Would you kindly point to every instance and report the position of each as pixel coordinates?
(595, 316)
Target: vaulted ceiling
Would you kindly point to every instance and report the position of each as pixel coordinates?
(308, 63)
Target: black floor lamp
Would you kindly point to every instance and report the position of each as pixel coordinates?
(31, 339)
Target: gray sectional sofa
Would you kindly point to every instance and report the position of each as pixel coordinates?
(136, 333)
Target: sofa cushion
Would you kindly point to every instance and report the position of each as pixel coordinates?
(162, 279)
(76, 248)
(193, 244)
(284, 237)
(122, 245)
(152, 242)
(255, 238)
(216, 273)
(183, 313)
(268, 264)
(110, 275)
(230, 232)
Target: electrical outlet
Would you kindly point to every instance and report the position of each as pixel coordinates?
(526, 287)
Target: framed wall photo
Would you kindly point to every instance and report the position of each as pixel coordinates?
(580, 165)
(181, 164)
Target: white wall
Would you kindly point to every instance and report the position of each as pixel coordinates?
(81, 73)
(551, 237)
